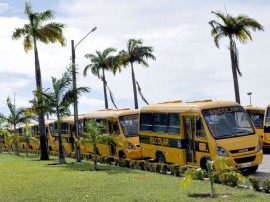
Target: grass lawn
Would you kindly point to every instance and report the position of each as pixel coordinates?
(23, 179)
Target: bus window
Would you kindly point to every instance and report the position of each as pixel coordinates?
(129, 124)
(228, 122)
(174, 123)
(160, 123)
(52, 128)
(200, 132)
(146, 122)
(268, 116)
(113, 128)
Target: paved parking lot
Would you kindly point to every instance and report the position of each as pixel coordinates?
(264, 169)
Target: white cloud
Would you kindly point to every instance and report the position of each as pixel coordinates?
(188, 65)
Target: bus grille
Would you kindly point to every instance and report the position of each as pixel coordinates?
(245, 159)
(242, 150)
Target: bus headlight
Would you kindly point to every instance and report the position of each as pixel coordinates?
(221, 151)
(259, 146)
(130, 146)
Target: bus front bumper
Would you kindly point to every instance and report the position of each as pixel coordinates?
(245, 161)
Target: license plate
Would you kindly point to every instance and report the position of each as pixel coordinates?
(246, 165)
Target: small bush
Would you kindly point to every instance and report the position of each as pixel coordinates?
(255, 182)
(266, 185)
(182, 170)
(141, 164)
(109, 159)
(164, 168)
(229, 179)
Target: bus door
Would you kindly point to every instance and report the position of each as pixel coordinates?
(113, 129)
(189, 135)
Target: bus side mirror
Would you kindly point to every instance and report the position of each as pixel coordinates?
(198, 123)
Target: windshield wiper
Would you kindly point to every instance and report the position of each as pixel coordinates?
(241, 132)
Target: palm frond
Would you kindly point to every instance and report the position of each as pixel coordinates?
(140, 92)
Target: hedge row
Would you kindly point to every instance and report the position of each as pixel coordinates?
(227, 178)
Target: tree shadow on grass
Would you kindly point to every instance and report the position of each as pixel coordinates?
(87, 166)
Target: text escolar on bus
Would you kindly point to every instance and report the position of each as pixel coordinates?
(190, 133)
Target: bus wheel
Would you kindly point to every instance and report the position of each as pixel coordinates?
(252, 169)
(160, 158)
(122, 155)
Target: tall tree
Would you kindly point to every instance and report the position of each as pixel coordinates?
(2, 131)
(95, 136)
(32, 32)
(101, 62)
(17, 116)
(58, 101)
(136, 53)
(234, 28)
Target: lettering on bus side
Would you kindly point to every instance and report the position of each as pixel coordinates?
(223, 110)
(159, 141)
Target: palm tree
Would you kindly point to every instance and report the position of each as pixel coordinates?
(136, 53)
(234, 28)
(100, 63)
(33, 32)
(59, 100)
(27, 137)
(95, 137)
(2, 131)
(17, 116)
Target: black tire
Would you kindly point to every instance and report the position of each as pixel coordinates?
(252, 169)
(122, 155)
(160, 158)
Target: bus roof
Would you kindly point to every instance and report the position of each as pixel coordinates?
(111, 113)
(250, 107)
(187, 106)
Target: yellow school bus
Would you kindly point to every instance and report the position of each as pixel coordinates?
(266, 138)
(124, 124)
(67, 133)
(257, 116)
(190, 133)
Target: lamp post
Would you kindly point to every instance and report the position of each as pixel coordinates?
(76, 126)
(249, 94)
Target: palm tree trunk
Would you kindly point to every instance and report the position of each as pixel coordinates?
(105, 89)
(134, 87)
(26, 149)
(41, 121)
(16, 148)
(234, 71)
(95, 157)
(62, 159)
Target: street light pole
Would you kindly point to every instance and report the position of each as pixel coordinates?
(76, 125)
(249, 94)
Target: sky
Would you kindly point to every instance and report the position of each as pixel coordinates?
(188, 65)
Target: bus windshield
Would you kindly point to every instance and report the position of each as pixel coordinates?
(257, 117)
(129, 124)
(268, 115)
(228, 122)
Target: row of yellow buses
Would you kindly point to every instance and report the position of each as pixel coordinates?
(184, 133)
(123, 123)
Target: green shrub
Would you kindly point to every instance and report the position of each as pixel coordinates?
(141, 164)
(116, 161)
(255, 182)
(182, 170)
(171, 169)
(266, 185)
(109, 159)
(229, 179)
(132, 164)
(164, 168)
